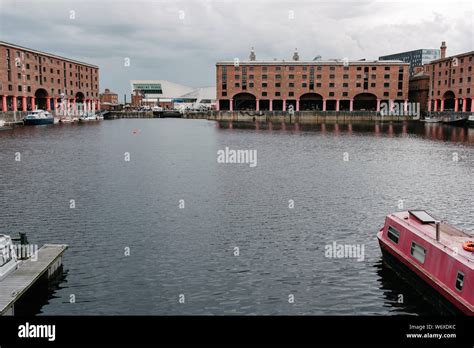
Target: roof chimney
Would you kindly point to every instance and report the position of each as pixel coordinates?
(296, 55)
(443, 49)
(252, 56)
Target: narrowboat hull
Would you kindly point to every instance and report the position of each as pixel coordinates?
(38, 122)
(428, 279)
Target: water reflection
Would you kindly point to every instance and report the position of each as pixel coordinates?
(405, 294)
(439, 132)
(40, 295)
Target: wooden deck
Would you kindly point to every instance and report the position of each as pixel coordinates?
(49, 259)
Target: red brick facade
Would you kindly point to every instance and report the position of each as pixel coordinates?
(310, 85)
(32, 79)
(108, 100)
(451, 85)
(419, 89)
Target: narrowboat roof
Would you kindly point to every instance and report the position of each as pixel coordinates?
(451, 238)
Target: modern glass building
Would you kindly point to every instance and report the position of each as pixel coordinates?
(415, 58)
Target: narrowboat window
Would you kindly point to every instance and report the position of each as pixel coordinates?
(418, 252)
(459, 280)
(393, 234)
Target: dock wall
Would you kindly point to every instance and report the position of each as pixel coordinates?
(297, 117)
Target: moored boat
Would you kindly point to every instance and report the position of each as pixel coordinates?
(38, 117)
(437, 253)
(470, 121)
(89, 116)
(8, 260)
(431, 120)
(455, 120)
(3, 126)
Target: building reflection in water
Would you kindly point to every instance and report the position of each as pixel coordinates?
(438, 132)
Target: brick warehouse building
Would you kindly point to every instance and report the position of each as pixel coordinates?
(451, 82)
(310, 85)
(32, 79)
(108, 100)
(419, 88)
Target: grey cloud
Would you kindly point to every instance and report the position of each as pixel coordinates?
(163, 46)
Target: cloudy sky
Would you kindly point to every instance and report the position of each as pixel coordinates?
(180, 41)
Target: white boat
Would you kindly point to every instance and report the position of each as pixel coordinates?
(8, 260)
(470, 121)
(66, 119)
(431, 120)
(38, 117)
(89, 116)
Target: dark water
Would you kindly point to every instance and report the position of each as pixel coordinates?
(190, 251)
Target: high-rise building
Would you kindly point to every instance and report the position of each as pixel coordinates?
(415, 58)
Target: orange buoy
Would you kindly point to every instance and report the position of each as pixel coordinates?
(469, 245)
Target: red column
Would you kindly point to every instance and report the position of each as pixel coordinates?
(456, 104)
(297, 105)
(23, 103)
(33, 106)
(435, 105)
(464, 105)
(4, 103)
(231, 104)
(257, 104)
(55, 104)
(472, 105)
(405, 106)
(378, 104)
(98, 104)
(429, 105)
(217, 105)
(48, 103)
(271, 105)
(351, 105)
(324, 104)
(442, 105)
(284, 104)
(337, 104)
(14, 103)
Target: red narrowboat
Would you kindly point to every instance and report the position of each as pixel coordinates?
(438, 253)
